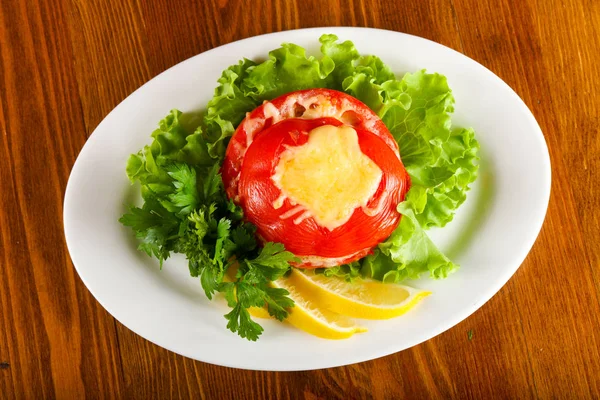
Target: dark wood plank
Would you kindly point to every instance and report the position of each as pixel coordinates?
(109, 43)
(56, 340)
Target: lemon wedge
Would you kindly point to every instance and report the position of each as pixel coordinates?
(259, 312)
(363, 298)
(311, 317)
(306, 315)
(324, 305)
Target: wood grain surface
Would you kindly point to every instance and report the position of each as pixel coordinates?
(65, 64)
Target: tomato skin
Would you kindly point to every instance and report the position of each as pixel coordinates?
(251, 159)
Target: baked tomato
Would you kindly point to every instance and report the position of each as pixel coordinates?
(318, 171)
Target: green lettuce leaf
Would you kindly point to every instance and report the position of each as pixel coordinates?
(179, 138)
(228, 107)
(441, 161)
(288, 69)
(407, 253)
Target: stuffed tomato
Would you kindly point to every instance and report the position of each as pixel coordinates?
(318, 171)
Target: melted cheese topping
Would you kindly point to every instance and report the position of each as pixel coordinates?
(329, 177)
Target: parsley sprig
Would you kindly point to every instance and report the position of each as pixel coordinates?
(186, 211)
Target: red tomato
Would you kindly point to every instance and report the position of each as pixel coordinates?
(254, 153)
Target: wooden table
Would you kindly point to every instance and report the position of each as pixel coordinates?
(65, 65)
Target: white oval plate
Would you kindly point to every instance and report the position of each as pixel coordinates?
(490, 237)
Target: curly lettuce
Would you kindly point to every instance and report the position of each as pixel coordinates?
(441, 160)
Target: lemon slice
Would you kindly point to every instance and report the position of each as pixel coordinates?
(259, 312)
(306, 315)
(363, 298)
(311, 317)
